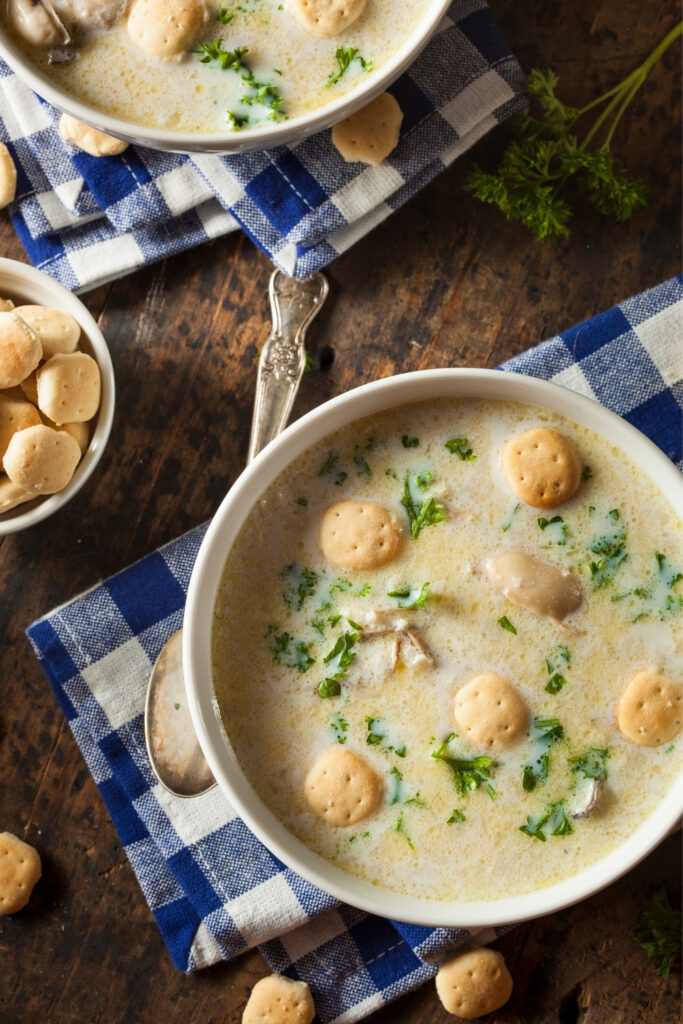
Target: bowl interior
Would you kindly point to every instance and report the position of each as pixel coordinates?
(222, 533)
(284, 132)
(26, 285)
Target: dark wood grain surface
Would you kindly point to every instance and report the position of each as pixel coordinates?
(444, 282)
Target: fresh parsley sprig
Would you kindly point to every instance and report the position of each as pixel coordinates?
(548, 152)
(658, 930)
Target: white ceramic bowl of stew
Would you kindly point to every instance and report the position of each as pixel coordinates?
(197, 642)
(284, 132)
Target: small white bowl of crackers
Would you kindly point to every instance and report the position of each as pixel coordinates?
(56, 395)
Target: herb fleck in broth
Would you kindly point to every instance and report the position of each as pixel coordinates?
(457, 821)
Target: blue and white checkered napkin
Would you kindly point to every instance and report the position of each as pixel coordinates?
(87, 220)
(213, 888)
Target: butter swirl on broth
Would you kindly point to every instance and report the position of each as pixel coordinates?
(506, 687)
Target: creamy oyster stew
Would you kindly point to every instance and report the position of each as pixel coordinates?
(388, 663)
(245, 64)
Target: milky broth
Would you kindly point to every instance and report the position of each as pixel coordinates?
(278, 724)
(111, 75)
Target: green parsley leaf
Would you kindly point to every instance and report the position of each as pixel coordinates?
(556, 683)
(375, 736)
(340, 727)
(456, 817)
(554, 820)
(345, 55)
(329, 688)
(547, 731)
(427, 513)
(410, 442)
(229, 60)
(505, 623)
(658, 930)
(410, 597)
(225, 15)
(586, 473)
(468, 773)
(288, 652)
(363, 468)
(300, 584)
(235, 122)
(558, 531)
(341, 655)
(458, 446)
(399, 828)
(329, 464)
(508, 522)
(397, 794)
(591, 764)
(611, 547)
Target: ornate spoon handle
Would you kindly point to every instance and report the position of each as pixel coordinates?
(293, 305)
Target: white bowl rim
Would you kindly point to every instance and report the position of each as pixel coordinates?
(25, 280)
(229, 142)
(366, 400)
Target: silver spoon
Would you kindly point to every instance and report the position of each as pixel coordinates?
(174, 752)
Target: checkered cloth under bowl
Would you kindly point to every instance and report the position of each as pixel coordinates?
(213, 888)
(87, 220)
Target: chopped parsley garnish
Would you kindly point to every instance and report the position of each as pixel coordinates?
(508, 522)
(591, 764)
(329, 464)
(261, 93)
(229, 60)
(377, 735)
(469, 773)
(423, 480)
(340, 727)
(410, 442)
(400, 830)
(363, 835)
(557, 529)
(421, 514)
(559, 659)
(456, 817)
(235, 121)
(365, 590)
(658, 930)
(505, 623)
(397, 794)
(611, 547)
(547, 731)
(363, 468)
(328, 688)
(300, 584)
(224, 15)
(415, 801)
(458, 446)
(659, 595)
(287, 651)
(554, 821)
(341, 655)
(410, 597)
(338, 661)
(374, 736)
(345, 55)
(556, 683)
(302, 501)
(586, 473)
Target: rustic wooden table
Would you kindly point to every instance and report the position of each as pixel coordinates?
(444, 282)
